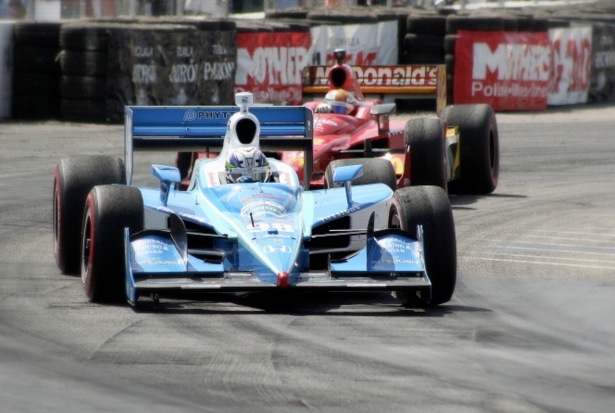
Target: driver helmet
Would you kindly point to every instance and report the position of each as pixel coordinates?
(340, 100)
(247, 164)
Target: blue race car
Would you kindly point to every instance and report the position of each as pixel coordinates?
(245, 222)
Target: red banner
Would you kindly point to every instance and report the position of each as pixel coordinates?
(508, 70)
(570, 65)
(270, 65)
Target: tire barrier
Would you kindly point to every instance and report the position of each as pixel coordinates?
(83, 60)
(88, 71)
(6, 70)
(36, 71)
(106, 66)
(603, 63)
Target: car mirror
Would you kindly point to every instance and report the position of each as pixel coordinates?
(347, 173)
(383, 109)
(169, 176)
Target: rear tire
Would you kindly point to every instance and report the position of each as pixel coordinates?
(480, 153)
(375, 171)
(73, 180)
(108, 210)
(429, 206)
(426, 140)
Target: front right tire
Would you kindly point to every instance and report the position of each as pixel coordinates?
(73, 180)
(108, 210)
(429, 206)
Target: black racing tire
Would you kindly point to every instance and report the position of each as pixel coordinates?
(525, 23)
(426, 139)
(36, 59)
(73, 180)
(423, 43)
(375, 170)
(291, 13)
(84, 63)
(449, 61)
(84, 36)
(450, 42)
(511, 23)
(36, 33)
(556, 23)
(341, 16)
(425, 58)
(426, 24)
(429, 206)
(108, 210)
(36, 84)
(540, 25)
(83, 87)
(479, 146)
(485, 23)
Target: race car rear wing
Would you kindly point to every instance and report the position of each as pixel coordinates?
(396, 82)
(195, 128)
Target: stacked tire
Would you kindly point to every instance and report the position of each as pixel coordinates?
(341, 16)
(424, 39)
(83, 61)
(7, 29)
(36, 74)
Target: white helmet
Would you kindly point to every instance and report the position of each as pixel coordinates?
(247, 165)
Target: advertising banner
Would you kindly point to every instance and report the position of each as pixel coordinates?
(365, 44)
(171, 65)
(570, 65)
(509, 70)
(269, 64)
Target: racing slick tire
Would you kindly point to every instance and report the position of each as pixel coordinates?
(479, 146)
(108, 210)
(375, 171)
(426, 139)
(73, 180)
(428, 206)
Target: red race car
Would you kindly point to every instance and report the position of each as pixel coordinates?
(455, 148)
